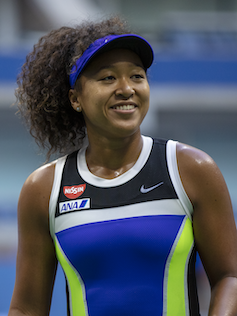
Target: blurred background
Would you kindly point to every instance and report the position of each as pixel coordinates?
(193, 95)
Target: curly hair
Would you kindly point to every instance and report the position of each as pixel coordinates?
(43, 84)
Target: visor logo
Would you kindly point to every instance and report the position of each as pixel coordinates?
(74, 191)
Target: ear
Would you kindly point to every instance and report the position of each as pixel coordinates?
(74, 99)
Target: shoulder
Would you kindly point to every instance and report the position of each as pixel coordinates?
(41, 179)
(193, 159)
(35, 193)
(199, 173)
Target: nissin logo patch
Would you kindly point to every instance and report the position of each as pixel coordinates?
(74, 191)
(74, 205)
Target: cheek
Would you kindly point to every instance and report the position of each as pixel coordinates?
(88, 98)
(146, 94)
(92, 105)
(93, 95)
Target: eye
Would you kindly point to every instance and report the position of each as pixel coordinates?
(108, 78)
(138, 76)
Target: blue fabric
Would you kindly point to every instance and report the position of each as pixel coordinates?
(122, 261)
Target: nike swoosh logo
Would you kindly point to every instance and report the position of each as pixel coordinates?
(146, 190)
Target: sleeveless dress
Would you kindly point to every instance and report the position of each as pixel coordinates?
(126, 245)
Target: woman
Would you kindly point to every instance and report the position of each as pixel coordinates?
(125, 214)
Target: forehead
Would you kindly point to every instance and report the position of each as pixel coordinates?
(111, 58)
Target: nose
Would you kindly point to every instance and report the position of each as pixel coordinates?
(124, 89)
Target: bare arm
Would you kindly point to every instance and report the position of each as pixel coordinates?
(214, 226)
(36, 261)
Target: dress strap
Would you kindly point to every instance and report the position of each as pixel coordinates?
(175, 177)
(55, 192)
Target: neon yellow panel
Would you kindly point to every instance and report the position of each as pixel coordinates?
(78, 306)
(177, 282)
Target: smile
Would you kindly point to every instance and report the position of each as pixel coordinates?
(124, 107)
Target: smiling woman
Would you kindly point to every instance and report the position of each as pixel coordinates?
(122, 213)
(113, 95)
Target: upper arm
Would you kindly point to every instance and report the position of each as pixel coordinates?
(213, 220)
(36, 260)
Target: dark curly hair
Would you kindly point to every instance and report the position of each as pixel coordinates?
(43, 84)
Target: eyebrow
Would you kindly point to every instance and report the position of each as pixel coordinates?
(111, 66)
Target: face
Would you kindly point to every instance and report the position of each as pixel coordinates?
(113, 94)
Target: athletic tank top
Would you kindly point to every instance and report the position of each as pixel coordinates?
(126, 245)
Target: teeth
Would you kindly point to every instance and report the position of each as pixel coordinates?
(125, 107)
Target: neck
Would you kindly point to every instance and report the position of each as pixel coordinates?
(109, 158)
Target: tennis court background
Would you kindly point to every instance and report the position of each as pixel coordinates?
(193, 100)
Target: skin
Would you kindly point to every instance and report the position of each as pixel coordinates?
(213, 225)
(36, 260)
(122, 80)
(109, 82)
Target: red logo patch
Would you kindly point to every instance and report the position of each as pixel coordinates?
(74, 191)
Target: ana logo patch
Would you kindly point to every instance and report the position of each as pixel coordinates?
(74, 191)
(74, 205)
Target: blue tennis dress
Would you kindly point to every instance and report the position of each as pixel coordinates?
(126, 245)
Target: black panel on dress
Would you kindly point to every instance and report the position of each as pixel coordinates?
(154, 171)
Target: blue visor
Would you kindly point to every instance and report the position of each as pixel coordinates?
(130, 41)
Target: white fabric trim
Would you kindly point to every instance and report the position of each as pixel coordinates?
(151, 208)
(175, 177)
(55, 192)
(125, 177)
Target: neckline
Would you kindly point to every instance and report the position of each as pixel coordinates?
(90, 178)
